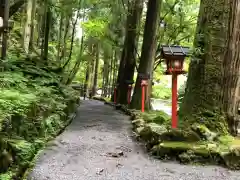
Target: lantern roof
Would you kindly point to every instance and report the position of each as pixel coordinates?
(129, 81)
(174, 52)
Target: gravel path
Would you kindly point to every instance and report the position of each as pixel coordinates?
(98, 145)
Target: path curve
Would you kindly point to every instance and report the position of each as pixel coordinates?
(82, 153)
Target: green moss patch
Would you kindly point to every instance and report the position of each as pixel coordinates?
(34, 107)
(194, 143)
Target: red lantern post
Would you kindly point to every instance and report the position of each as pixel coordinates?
(144, 84)
(174, 56)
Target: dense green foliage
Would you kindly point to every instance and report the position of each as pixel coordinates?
(54, 43)
(34, 107)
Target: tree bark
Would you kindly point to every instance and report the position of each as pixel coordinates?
(95, 80)
(13, 9)
(5, 32)
(105, 74)
(212, 83)
(46, 33)
(66, 29)
(130, 51)
(60, 36)
(148, 52)
(31, 40)
(72, 38)
(77, 64)
(27, 29)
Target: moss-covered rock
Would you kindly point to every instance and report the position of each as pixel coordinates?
(180, 135)
(203, 139)
(230, 151)
(136, 115)
(214, 121)
(138, 123)
(158, 117)
(151, 133)
(200, 152)
(232, 158)
(188, 157)
(175, 149)
(204, 132)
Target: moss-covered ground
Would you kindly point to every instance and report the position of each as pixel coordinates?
(189, 143)
(34, 107)
(192, 143)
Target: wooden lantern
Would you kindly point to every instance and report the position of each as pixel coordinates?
(174, 57)
(129, 82)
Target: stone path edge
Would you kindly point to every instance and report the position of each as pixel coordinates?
(133, 116)
(33, 162)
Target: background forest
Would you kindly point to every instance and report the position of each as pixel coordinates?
(47, 46)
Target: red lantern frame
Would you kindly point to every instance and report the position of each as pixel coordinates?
(173, 55)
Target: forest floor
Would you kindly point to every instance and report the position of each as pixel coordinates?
(99, 145)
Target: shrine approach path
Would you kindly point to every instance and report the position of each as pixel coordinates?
(99, 145)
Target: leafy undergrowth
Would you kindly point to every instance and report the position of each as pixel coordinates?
(34, 107)
(161, 91)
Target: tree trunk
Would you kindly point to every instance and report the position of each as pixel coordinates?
(33, 13)
(72, 39)
(66, 28)
(131, 47)
(115, 71)
(95, 80)
(60, 36)
(27, 29)
(86, 84)
(212, 83)
(43, 27)
(148, 52)
(39, 27)
(46, 33)
(111, 75)
(77, 64)
(105, 74)
(5, 33)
